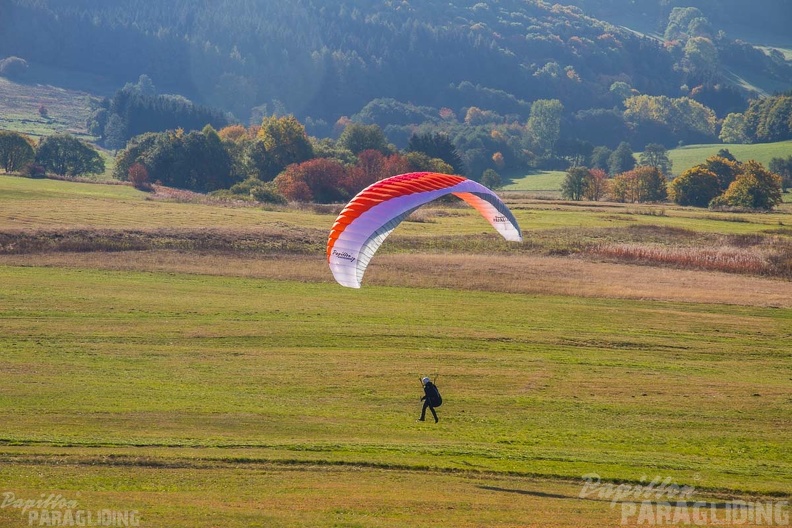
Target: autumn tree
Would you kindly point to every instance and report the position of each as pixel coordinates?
(624, 187)
(682, 118)
(398, 164)
(596, 184)
(696, 186)
(235, 133)
(281, 142)
(643, 184)
(724, 168)
(16, 151)
(475, 116)
(317, 180)
(769, 119)
(498, 160)
(755, 188)
(139, 178)
(133, 153)
(371, 167)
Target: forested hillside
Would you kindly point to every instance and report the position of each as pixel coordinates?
(512, 84)
(328, 59)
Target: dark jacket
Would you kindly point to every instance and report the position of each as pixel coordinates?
(432, 395)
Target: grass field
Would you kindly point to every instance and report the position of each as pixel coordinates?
(548, 182)
(67, 110)
(242, 387)
(685, 157)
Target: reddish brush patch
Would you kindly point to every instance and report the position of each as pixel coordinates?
(728, 259)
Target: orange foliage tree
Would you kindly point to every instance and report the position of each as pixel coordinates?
(596, 184)
(371, 167)
(138, 176)
(233, 133)
(643, 184)
(318, 180)
(498, 160)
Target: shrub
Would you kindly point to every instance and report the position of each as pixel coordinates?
(139, 177)
(267, 193)
(34, 170)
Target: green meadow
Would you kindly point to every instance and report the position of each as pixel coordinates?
(682, 158)
(539, 182)
(67, 109)
(686, 157)
(206, 399)
(148, 369)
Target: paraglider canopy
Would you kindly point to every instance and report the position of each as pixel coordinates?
(370, 217)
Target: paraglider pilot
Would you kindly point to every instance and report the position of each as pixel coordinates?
(431, 399)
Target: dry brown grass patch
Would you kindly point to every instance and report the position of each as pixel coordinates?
(525, 274)
(728, 259)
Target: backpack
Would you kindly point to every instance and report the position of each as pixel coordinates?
(433, 395)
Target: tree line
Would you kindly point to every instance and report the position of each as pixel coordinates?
(323, 61)
(60, 154)
(720, 182)
(278, 162)
(137, 108)
(483, 139)
(514, 86)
